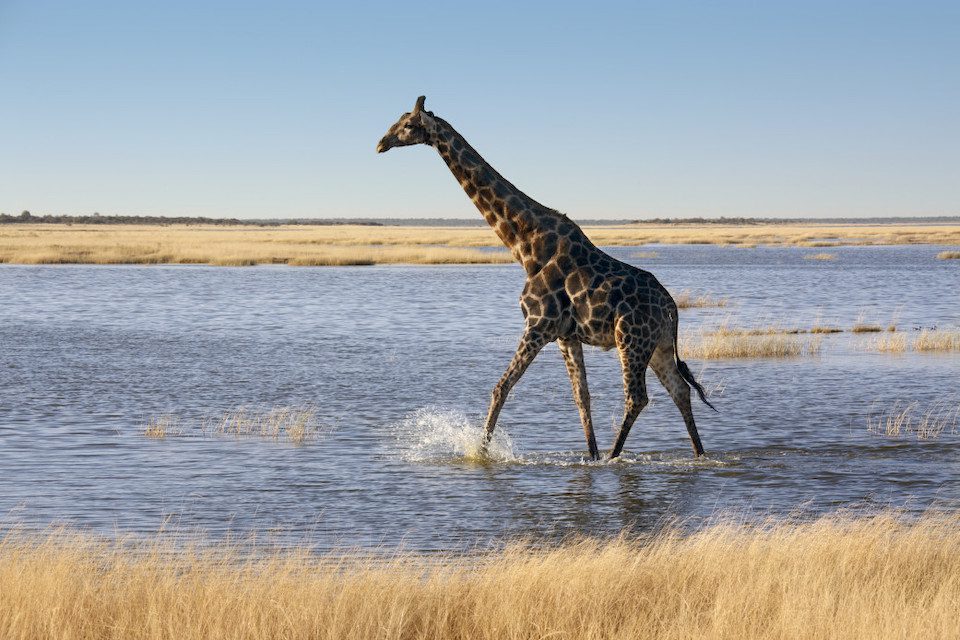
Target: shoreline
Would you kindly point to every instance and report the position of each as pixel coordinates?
(351, 245)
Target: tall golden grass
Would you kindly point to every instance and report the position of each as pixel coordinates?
(353, 244)
(836, 577)
(949, 255)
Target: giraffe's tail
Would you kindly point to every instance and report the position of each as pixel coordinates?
(682, 367)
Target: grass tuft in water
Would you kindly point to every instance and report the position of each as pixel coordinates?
(937, 341)
(686, 300)
(893, 343)
(732, 344)
(827, 257)
(948, 255)
(159, 427)
(296, 424)
(825, 329)
(909, 419)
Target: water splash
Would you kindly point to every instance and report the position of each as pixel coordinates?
(441, 435)
(437, 434)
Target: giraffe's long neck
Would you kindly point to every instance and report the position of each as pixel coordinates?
(516, 218)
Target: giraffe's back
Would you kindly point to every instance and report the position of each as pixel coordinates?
(584, 294)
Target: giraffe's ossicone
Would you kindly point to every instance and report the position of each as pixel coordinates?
(574, 294)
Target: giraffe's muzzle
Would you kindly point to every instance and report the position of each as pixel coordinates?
(385, 144)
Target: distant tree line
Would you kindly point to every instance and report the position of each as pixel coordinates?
(757, 221)
(96, 218)
(720, 220)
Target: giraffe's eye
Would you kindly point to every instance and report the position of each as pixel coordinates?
(408, 126)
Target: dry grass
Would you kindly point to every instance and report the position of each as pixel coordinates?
(808, 235)
(866, 328)
(296, 424)
(228, 246)
(823, 329)
(837, 577)
(748, 344)
(937, 341)
(159, 427)
(686, 300)
(351, 244)
(820, 256)
(644, 254)
(949, 255)
(926, 341)
(892, 343)
(861, 326)
(908, 419)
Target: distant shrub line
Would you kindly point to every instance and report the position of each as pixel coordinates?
(96, 218)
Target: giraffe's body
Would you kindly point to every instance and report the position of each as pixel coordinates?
(575, 293)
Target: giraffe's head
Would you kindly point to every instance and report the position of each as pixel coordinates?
(415, 127)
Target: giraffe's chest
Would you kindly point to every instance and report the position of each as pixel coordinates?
(596, 333)
(560, 313)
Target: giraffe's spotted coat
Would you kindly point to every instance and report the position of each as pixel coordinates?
(574, 292)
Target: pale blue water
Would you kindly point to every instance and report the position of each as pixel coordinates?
(399, 363)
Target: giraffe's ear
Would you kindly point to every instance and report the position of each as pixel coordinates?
(417, 108)
(426, 119)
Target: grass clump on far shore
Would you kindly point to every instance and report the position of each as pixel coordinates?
(837, 577)
(364, 244)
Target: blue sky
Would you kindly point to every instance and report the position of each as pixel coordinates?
(602, 110)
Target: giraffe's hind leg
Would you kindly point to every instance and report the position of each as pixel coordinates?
(664, 364)
(572, 352)
(634, 353)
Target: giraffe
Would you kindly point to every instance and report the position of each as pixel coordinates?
(575, 294)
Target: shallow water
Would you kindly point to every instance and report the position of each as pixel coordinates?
(399, 363)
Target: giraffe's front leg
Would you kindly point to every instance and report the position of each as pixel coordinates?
(530, 346)
(572, 351)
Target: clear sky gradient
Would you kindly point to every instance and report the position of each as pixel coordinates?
(602, 110)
